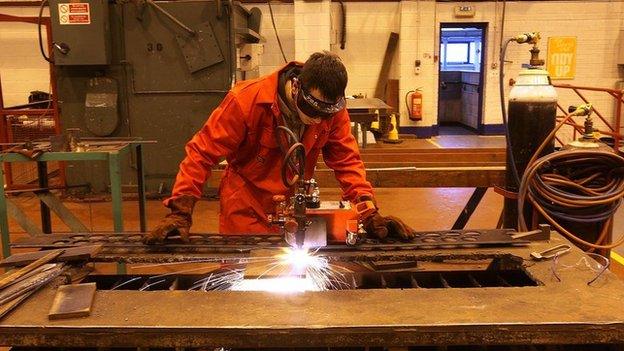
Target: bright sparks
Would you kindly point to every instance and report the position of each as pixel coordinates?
(290, 271)
(304, 271)
(300, 260)
(282, 285)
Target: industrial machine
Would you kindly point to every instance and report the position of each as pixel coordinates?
(148, 69)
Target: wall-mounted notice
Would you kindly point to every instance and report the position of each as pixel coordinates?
(561, 62)
(74, 13)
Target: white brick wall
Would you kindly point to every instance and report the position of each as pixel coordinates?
(595, 24)
(312, 27)
(368, 30)
(285, 24)
(418, 30)
(308, 26)
(22, 69)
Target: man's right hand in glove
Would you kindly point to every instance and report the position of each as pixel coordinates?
(379, 226)
(178, 222)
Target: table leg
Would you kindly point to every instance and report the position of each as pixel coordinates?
(4, 218)
(470, 207)
(121, 268)
(364, 127)
(356, 132)
(114, 166)
(141, 184)
(42, 174)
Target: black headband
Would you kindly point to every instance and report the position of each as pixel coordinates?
(316, 108)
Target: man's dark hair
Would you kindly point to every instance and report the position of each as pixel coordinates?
(325, 72)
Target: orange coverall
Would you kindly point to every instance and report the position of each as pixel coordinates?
(242, 129)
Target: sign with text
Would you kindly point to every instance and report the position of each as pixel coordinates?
(74, 13)
(561, 57)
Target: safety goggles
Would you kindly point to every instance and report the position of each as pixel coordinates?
(316, 108)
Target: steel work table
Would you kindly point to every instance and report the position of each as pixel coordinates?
(565, 312)
(364, 112)
(112, 154)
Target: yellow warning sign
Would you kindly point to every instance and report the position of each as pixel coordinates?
(561, 62)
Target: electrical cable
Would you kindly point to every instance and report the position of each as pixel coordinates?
(292, 139)
(502, 28)
(279, 42)
(577, 185)
(343, 33)
(297, 163)
(290, 133)
(39, 18)
(298, 151)
(512, 161)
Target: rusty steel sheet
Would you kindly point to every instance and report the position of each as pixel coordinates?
(562, 309)
(211, 242)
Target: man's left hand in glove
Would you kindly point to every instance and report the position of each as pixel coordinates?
(379, 226)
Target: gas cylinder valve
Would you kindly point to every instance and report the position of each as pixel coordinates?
(535, 60)
(529, 37)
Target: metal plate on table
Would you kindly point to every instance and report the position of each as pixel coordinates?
(131, 242)
(367, 104)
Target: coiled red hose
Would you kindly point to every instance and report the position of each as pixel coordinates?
(577, 185)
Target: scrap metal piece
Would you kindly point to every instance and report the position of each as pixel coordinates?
(22, 219)
(9, 306)
(34, 282)
(68, 218)
(72, 301)
(543, 233)
(13, 276)
(79, 253)
(551, 253)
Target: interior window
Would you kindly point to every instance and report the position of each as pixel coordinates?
(457, 53)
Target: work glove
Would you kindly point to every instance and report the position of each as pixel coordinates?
(379, 226)
(178, 222)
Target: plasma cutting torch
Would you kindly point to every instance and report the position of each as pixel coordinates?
(290, 214)
(303, 219)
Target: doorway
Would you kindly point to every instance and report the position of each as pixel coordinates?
(461, 72)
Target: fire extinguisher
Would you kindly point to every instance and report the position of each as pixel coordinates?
(413, 101)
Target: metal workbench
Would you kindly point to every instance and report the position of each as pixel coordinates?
(112, 154)
(554, 312)
(363, 112)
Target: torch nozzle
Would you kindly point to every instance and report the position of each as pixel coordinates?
(528, 37)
